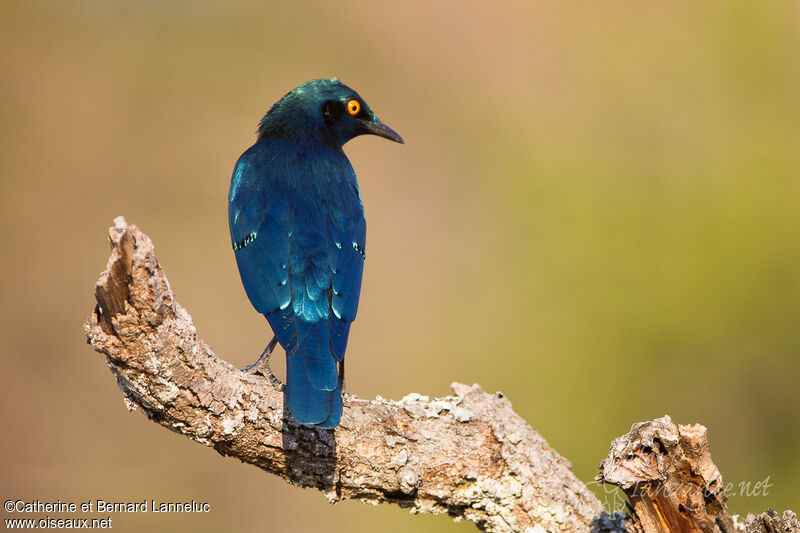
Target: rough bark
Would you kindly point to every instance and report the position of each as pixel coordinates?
(772, 522)
(667, 473)
(672, 484)
(469, 455)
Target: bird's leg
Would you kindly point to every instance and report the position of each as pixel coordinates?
(262, 363)
(341, 379)
(261, 366)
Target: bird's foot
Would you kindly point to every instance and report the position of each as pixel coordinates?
(276, 383)
(261, 366)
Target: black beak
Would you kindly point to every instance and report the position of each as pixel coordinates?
(382, 130)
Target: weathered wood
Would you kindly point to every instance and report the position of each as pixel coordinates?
(772, 522)
(667, 474)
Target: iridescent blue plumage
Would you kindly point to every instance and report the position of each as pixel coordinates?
(299, 233)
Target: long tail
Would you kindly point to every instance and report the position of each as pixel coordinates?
(313, 394)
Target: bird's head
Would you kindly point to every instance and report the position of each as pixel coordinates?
(323, 110)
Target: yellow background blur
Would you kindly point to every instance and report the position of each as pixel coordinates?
(597, 211)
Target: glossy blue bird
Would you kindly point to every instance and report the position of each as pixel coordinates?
(299, 234)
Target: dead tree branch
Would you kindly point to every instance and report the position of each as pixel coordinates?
(673, 486)
(667, 473)
(468, 455)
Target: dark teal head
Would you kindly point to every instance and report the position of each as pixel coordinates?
(323, 110)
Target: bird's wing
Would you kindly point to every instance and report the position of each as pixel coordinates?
(260, 217)
(346, 254)
(327, 250)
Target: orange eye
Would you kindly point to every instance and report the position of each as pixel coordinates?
(353, 107)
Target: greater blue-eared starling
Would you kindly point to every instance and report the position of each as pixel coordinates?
(299, 234)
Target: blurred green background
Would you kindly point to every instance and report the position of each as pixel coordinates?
(597, 211)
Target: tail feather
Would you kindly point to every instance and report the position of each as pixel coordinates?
(313, 395)
(316, 353)
(336, 410)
